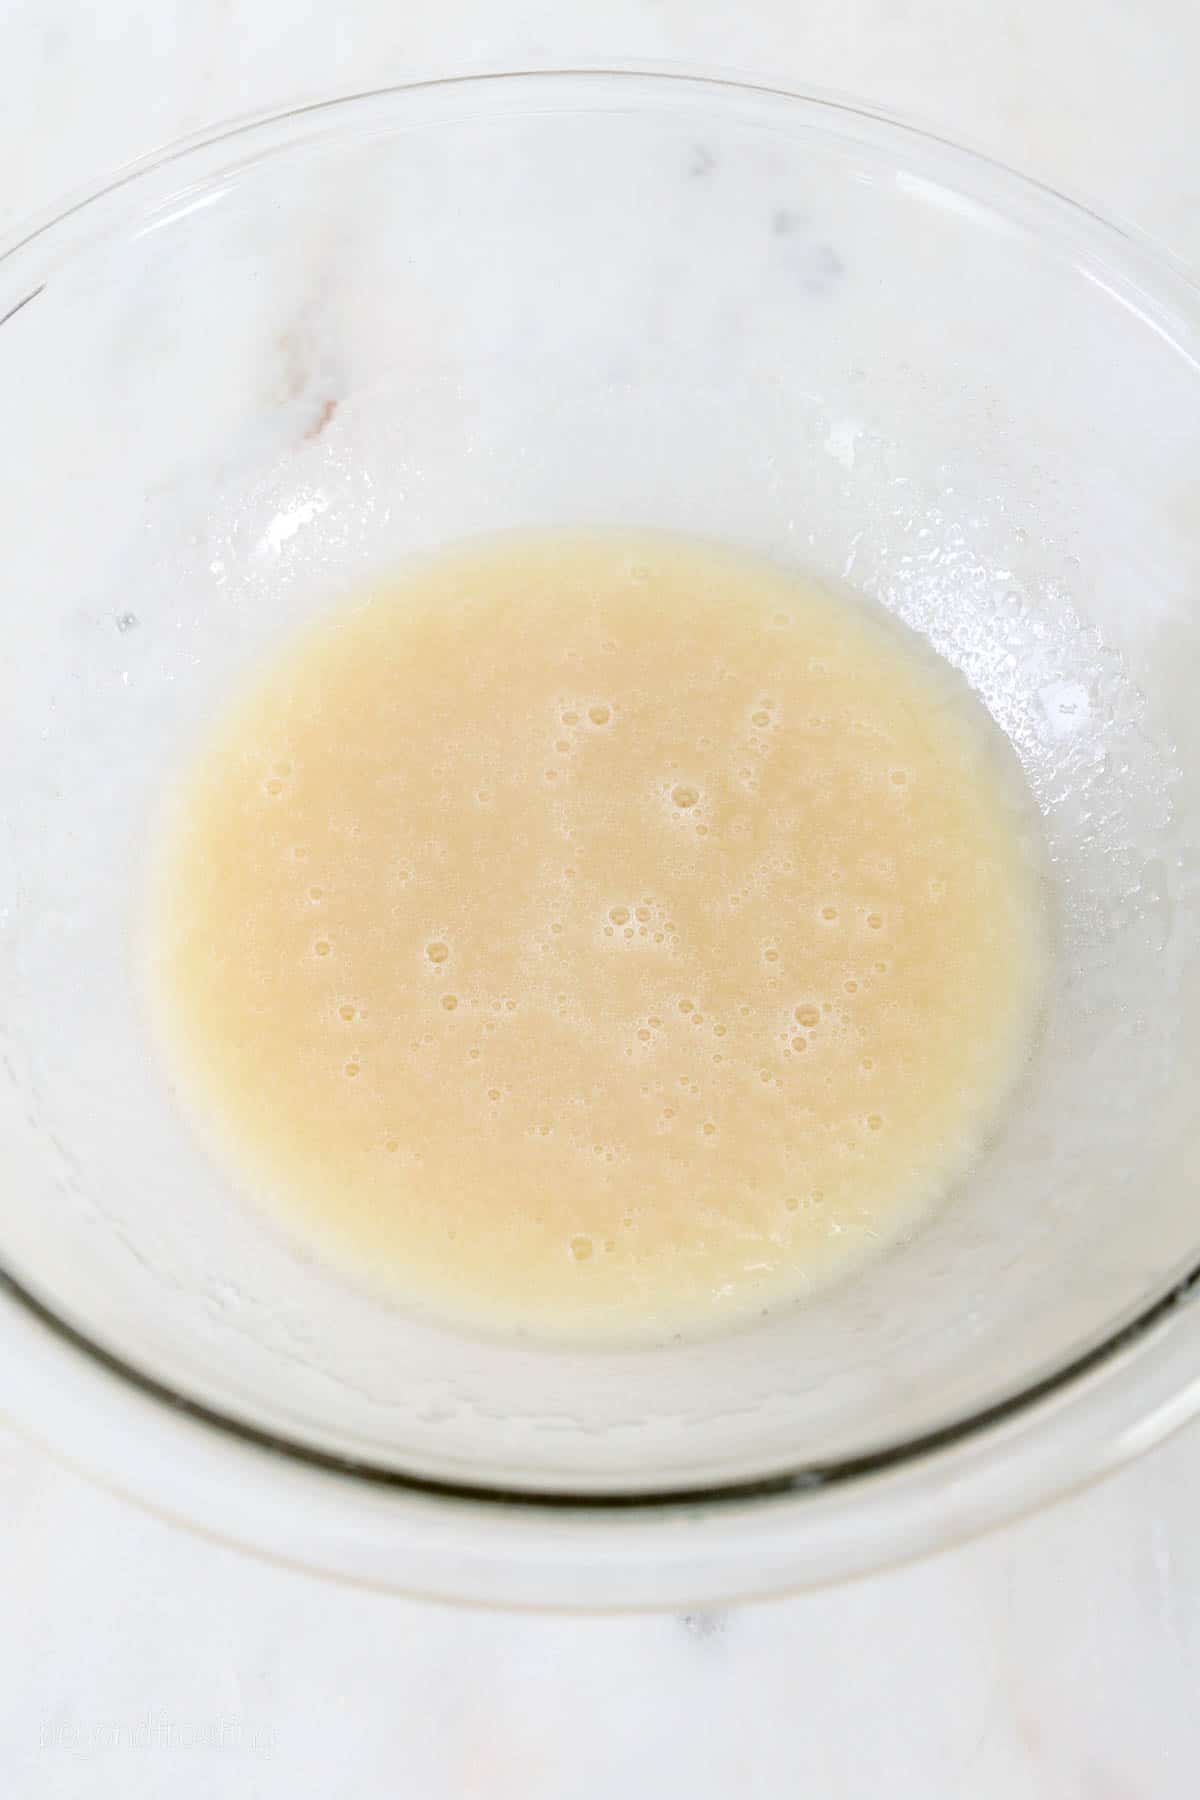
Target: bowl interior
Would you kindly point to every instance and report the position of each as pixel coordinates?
(259, 371)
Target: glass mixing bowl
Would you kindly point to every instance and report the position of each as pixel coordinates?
(243, 376)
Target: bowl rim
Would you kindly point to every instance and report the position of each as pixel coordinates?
(1143, 1358)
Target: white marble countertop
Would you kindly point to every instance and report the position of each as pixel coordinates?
(1058, 1658)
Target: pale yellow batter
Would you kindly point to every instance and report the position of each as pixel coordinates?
(600, 932)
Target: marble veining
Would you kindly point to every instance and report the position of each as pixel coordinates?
(1058, 1659)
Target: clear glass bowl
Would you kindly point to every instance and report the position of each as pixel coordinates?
(244, 375)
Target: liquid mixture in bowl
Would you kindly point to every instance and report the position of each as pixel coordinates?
(600, 932)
